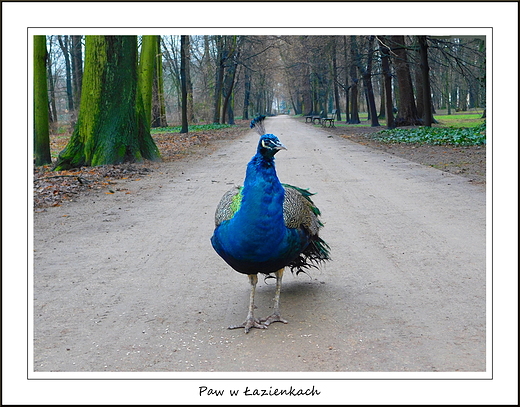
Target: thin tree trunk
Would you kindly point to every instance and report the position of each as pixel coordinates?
(367, 79)
(247, 94)
(184, 91)
(158, 103)
(335, 79)
(387, 75)
(219, 77)
(53, 114)
(346, 88)
(64, 45)
(354, 112)
(42, 152)
(77, 69)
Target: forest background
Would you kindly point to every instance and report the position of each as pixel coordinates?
(214, 79)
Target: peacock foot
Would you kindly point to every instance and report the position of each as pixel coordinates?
(248, 324)
(275, 317)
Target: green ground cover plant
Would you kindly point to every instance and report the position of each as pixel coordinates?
(459, 136)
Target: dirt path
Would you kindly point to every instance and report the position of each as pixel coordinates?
(129, 281)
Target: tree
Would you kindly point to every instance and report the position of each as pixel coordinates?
(146, 73)
(387, 75)
(425, 71)
(367, 81)
(219, 77)
(77, 68)
(184, 92)
(42, 151)
(158, 103)
(64, 45)
(232, 54)
(112, 127)
(53, 112)
(407, 114)
(354, 112)
(335, 79)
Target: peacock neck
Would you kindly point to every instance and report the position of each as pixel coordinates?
(263, 193)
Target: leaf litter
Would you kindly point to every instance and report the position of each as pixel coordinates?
(53, 188)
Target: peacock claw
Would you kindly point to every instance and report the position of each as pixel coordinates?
(248, 324)
(272, 318)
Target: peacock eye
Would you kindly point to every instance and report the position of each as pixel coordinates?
(264, 144)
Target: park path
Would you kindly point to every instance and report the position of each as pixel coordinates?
(129, 282)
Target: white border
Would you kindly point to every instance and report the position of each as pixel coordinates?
(381, 389)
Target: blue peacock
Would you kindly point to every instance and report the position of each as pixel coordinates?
(265, 226)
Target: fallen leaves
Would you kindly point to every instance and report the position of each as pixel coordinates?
(51, 188)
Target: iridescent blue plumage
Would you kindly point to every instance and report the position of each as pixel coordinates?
(265, 226)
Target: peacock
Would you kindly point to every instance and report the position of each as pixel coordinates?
(265, 226)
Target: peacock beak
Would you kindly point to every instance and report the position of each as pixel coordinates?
(280, 146)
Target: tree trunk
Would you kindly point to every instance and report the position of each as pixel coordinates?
(111, 126)
(219, 77)
(367, 79)
(158, 104)
(335, 80)
(227, 88)
(53, 113)
(247, 94)
(77, 68)
(387, 75)
(425, 71)
(382, 109)
(346, 88)
(407, 115)
(42, 151)
(184, 91)
(64, 45)
(190, 111)
(354, 112)
(146, 73)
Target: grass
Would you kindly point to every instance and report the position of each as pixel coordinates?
(191, 128)
(460, 120)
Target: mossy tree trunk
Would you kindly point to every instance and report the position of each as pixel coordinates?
(112, 126)
(146, 73)
(42, 151)
(158, 103)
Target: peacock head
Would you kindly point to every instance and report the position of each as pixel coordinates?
(269, 145)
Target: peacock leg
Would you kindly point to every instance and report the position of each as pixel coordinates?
(275, 316)
(250, 321)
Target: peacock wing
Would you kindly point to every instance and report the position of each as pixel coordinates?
(228, 205)
(299, 210)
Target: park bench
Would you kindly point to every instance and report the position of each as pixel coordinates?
(329, 120)
(313, 117)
